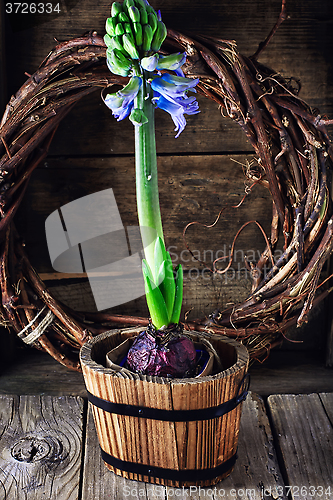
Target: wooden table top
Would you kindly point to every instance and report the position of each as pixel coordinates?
(49, 450)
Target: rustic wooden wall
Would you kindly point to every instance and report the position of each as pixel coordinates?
(200, 172)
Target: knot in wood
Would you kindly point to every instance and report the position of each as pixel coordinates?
(30, 449)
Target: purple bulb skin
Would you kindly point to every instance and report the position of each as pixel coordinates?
(174, 359)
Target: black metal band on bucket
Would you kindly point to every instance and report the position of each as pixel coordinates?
(174, 415)
(172, 474)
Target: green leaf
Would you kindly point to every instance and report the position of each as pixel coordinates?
(178, 295)
(167, 286)
(161, 275)
(159, 257)
(155, 300)
(146, 270)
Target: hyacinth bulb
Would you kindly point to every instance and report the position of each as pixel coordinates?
(174, 359)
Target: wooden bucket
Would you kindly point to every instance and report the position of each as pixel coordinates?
(175, 432)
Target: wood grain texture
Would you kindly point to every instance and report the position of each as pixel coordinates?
(192, 444)
(99, 483)
(192, 188)
(34, 372)
(304, 435)
(302, 47)
(40, 447)
(256, 470)
(329, 342)
(327, 401)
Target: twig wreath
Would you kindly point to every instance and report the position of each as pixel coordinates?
(294, 159)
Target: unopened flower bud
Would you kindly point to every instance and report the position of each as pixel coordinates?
(119, 29)
(141, 4)
(143, 17)
(110, 26)
(114, 66)
(138, 117)
(120, 61)
(134, 14)
(116, 8)
(172, 61)
(147, 37)
(123, 18)
(159, 36)
(128, 28)
(152, 20)
(117, 43)
(137, 28)
(128, 3)
(108, 40)
(129, 46)
(149, 63)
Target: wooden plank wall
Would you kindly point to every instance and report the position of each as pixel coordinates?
(200, 172)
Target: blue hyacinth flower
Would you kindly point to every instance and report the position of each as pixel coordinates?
(170, 95)
(177, 108)
(121, 103)
(171, 87)
(172, 62)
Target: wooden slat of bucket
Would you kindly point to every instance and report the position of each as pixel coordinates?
(100, 384)
(145, 435)
(129, 435)
(134, 430)
(221, 434)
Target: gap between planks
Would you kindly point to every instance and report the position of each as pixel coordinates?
(304, 438)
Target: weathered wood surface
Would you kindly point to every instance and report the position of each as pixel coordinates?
(301, 48)
(256, 468)
(193, 188)
(42, 438)
(198, 188)
(40, 447)
(304, 436)
(329, 342)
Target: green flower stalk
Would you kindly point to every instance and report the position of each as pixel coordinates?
(135, 33)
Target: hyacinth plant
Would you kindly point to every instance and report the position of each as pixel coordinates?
(135, 33)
